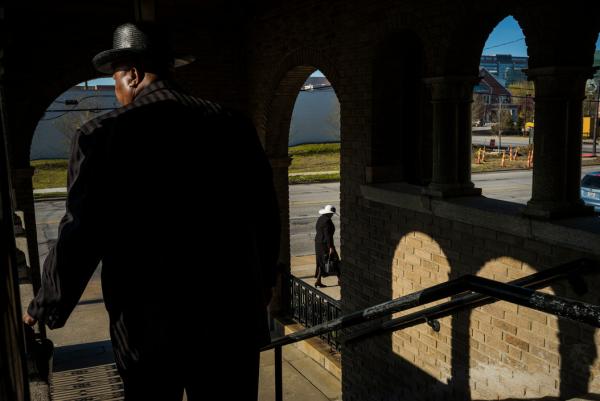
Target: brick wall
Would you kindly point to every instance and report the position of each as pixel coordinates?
(256, 60)
(497, 351)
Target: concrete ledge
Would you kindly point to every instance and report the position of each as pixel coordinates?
(580, 233)
(39, 391)
(315, 348)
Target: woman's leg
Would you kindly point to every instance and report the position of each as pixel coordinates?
(319, 283)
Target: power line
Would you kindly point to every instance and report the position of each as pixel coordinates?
(504, 44)
(90, 109)
(97, 110)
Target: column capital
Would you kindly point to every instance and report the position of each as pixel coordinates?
(452, 87)
(561, 71)
(563, 82)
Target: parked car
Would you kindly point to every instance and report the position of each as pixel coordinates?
(590, 190)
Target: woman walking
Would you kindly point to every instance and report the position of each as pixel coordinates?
(324, 245)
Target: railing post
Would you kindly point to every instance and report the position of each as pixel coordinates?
(278, 374)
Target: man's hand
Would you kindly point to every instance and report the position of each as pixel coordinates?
(29, 320)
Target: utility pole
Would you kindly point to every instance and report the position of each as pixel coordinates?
(596, 112)
(500, 123)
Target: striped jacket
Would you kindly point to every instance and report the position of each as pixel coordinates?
(174, 195)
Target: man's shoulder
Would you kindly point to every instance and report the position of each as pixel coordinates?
(166, 91)
(102, 121)
(158, 98)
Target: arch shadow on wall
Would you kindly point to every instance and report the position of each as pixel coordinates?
(445, 365)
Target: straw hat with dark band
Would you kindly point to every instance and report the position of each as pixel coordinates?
(140, 41)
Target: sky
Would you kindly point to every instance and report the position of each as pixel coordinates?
(506, 38)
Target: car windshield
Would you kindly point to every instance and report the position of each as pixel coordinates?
(591, 181)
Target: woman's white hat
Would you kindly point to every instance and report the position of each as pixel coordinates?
(328, 209)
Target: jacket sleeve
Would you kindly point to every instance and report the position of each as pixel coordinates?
(77, 252)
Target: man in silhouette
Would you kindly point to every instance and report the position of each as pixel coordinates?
(157, 189)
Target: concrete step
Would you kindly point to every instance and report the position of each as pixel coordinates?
(84, 374)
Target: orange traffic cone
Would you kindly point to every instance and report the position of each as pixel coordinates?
(502, 163)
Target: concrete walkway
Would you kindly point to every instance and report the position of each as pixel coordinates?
(87, 372)
(50, 191)
(303, 267)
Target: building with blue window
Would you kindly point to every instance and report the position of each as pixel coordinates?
(505, 67)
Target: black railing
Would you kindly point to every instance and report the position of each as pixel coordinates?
(310, 307)
(473, 291)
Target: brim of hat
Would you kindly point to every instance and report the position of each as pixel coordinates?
(105, 61)
(323, 211)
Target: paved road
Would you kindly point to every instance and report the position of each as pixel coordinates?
(306, 200)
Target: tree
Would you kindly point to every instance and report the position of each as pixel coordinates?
(591, 92)
(478, 107)
(523, 93)
(333, 119)
(505, 120)
(71, 121)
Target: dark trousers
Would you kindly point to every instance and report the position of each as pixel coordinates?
(157, 381)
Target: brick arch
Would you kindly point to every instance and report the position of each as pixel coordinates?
(418, 28)
(284, 84)
(466, 42)
(549, 41)
(29, 114)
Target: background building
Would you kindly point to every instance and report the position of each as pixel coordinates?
(494, 97)
(505, 67)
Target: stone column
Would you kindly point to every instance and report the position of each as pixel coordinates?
(451, 97)
(280, 167)
(559, 93)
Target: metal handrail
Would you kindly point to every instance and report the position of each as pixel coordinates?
(571, 271)
(513, 292)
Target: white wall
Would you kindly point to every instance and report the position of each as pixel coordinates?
(315, 118)
(52, 137)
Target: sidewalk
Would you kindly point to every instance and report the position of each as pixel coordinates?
(313, 173)
(303, 268)
(50, 191)
(88, 372)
